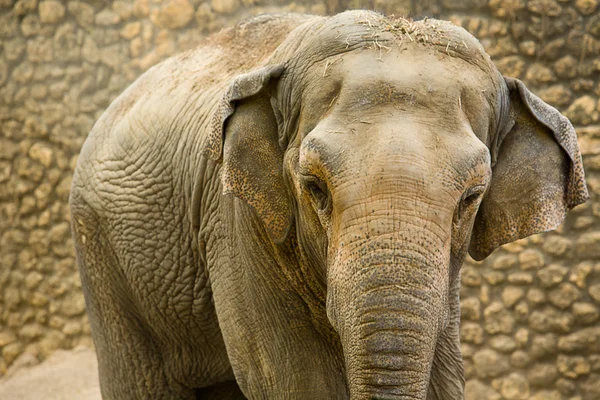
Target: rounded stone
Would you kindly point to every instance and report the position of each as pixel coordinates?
(548, 395)
(141, 8)
(522, 311)
(588, 245)
(595, 362)
(565, 386)
(542, 375)
(38, 300)
(503, 343)
(557, 95)
(475, 389)
(582, 223)
(498, 319)
(593, 25)
(11, 351)
(566, 67)
(586, 7)
(12, 298)
(558, 246)
(536, 296)
(471, 332)
(511, 295)
(23, 72)
(7, 337)
(585, 313)
(531, 259)
(131, 30)
(56, 322)
(225, 6)
(51, 342)
(572, 366)
(72, 328)
(31, 331)
(470, 277)
(594, 292)
(470, 309)
(522, 337)
(23, 7)
(33, 279)
(122, 8)
(515, 387)
(42, 153)
(543, 345)
(5, 170)
(548, 8)
(582, 111)
(591, 387)
(107, 17)
(504, 261)
(51, 11)
(494, 278)
(550, 319)
(83, 13)
(520, 278)
(539, 74)
(563, 296)
(512, 66)
(73, 305)
(579, 274)
(38, 91)
(552, 275)
(520, 359)
(586, 339)
(174, 14)
(490, 364)
(528, 48)
(59, 232)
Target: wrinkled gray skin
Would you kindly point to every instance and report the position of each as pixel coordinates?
(284, 211)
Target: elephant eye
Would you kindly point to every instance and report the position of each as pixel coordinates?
(470, 198)
(317, 189)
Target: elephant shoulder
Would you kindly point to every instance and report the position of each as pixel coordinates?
(184, 89)
(166, 112)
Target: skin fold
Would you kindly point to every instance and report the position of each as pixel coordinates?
(282, 213)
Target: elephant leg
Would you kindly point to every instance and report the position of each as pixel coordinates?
(129, 359)
(223, 391)
(275, 348)
(275, 356)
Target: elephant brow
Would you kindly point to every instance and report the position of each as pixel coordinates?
(381, 93)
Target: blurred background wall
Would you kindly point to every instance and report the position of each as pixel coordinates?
(530, 312)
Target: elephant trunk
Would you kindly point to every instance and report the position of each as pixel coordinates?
(387, 301)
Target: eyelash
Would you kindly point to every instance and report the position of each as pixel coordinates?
(470, 197)
(318, 191)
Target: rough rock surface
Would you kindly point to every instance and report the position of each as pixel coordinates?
(530, 308)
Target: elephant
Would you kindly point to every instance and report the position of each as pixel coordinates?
(283, 211)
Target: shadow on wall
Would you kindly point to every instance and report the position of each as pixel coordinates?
(529, 312)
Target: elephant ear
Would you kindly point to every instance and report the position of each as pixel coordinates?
(538, 174)
(244, 137)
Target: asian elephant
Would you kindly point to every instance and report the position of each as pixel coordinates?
(282, 212)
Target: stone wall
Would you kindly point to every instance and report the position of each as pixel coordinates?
(530, 312)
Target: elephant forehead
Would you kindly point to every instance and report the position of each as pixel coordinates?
(405, 75)
(360, 94)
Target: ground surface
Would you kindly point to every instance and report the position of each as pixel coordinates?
(66, 375)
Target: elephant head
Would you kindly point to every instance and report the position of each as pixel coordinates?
(384, 150)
